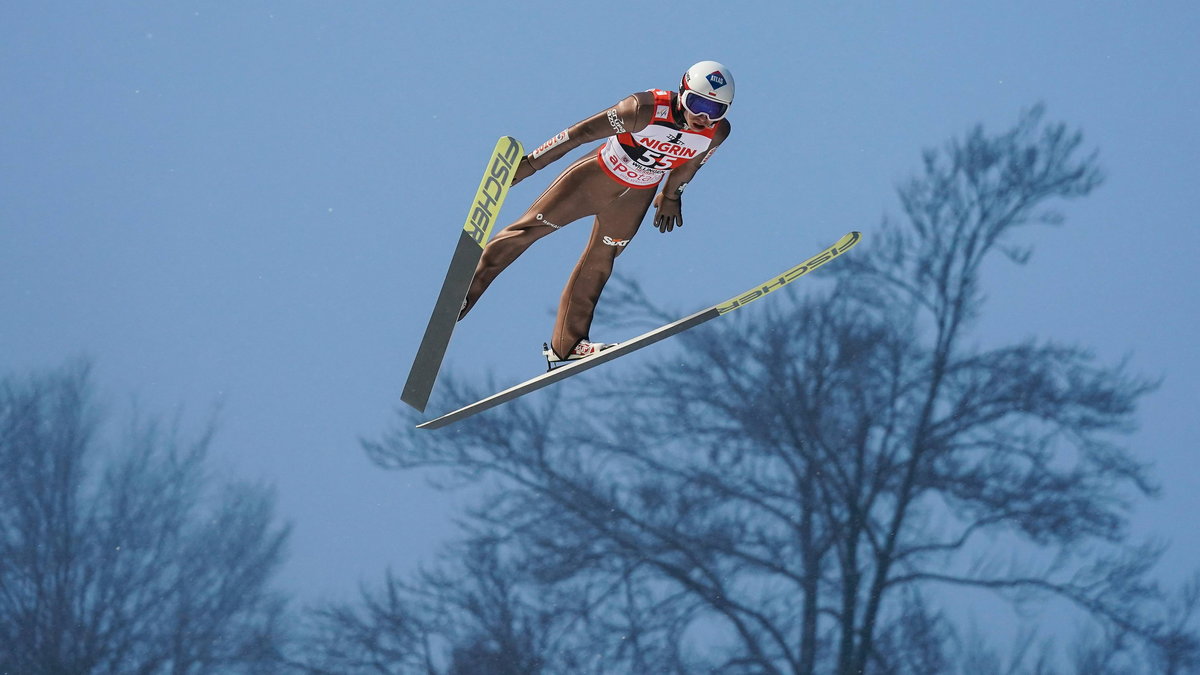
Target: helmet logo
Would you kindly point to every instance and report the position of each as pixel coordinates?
(715, 79)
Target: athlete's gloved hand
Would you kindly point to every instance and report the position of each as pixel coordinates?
(524, 170)
(668, 214)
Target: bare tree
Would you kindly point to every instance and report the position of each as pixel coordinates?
(464, 618)
(791, 495)
(128, 560)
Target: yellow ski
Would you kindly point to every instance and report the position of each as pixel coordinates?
(575, 367)
(493, 188)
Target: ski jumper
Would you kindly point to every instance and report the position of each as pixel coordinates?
(647, 144)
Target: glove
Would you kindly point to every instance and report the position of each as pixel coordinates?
(668, 214)
(524, 170)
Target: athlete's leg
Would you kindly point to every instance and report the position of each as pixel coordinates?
(579, 191)
(615, 226)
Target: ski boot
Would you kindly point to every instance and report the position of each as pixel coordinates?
(581, 351)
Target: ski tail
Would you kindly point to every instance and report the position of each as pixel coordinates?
(646, 339)
(493, 189)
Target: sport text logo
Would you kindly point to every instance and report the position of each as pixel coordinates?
(493, 190)
(614, 120)
(542, 149)
(668, 147)
(792, 274)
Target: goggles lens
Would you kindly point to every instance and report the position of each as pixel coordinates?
(698, 105)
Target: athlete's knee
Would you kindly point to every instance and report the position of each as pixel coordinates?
(492, 261)
(508, 244)
(527, 229)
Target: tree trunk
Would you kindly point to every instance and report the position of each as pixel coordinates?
(812, 576)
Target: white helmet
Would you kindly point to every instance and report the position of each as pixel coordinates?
(711, 80)
(707, 88)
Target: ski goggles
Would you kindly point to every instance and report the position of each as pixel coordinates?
(698, 105)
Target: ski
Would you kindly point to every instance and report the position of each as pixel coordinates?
(493, 188)
(646, 339)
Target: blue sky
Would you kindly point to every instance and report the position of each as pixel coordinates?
(251, 205)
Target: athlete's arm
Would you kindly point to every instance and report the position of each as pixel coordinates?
(681, 175)
(668, 204)
(633, 113)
